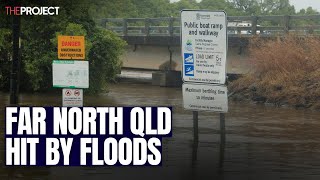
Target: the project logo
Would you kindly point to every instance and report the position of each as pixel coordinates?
(188, 46)
(32, 11)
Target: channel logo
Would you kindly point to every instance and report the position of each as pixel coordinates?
(29, 11)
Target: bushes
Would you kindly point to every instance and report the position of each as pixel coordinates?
(39, 46)
(103, 50)
(104, 58)
(5, 58)
(286, 72)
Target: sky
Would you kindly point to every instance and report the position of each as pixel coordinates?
(303, 4)
(298, 4)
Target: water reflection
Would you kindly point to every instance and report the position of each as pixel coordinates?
(261, 142)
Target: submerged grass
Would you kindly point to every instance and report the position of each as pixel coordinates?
(285, 71)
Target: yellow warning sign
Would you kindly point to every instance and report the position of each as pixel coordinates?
(71, 47)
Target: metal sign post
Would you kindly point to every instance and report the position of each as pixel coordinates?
(195, 126)
(222, 139)
(204, 55)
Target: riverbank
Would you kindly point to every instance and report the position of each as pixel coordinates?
(286, 72)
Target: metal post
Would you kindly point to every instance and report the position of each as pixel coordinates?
(195, 126)
(222, 139)
(195, 138)
(14, 76)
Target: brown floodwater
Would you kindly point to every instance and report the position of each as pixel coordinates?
(262, 142)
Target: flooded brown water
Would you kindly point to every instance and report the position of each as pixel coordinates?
(261, 142)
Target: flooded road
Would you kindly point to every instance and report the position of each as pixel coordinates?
(261, 142)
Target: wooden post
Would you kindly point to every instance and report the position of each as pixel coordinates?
(125, 27)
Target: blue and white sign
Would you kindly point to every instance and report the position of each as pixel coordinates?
(188, 58)
(204, 46)
(188, 70)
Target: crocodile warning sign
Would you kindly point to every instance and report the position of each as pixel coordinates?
(71, 47)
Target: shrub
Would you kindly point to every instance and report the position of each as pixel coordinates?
(104, 58)
(285, 72)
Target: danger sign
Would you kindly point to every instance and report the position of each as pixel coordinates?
(71, 47)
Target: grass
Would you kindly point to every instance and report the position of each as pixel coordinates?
(285, 71)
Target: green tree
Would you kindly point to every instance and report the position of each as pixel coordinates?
(263, 7)
(219, 5)
(184, 4)
(39, 45)
(104, 57)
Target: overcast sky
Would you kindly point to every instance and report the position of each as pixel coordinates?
(298, 4)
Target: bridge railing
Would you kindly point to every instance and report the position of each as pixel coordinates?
(237, 25)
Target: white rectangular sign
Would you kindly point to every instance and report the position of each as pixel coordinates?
(70, 74)
(205, 97)
(204, 46)
(72, 97)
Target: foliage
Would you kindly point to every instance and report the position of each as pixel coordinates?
(283, 76)
(5, 57)
(39, 45)
(104, 58)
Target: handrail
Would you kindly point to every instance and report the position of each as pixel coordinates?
(170, 26)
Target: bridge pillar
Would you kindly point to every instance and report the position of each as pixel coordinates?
(167, 79)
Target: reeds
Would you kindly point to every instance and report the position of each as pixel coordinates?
(286, 71)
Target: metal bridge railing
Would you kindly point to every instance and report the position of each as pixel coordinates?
(237, 25)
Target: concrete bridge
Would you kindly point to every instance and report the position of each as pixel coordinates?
(154, 41)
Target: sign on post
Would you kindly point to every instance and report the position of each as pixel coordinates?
(204, 46)
(206, 97)
(72, 97)
(71, 47)
(70, 74)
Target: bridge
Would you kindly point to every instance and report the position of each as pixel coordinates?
(154, 41)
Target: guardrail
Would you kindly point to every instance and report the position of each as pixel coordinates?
(262, 25)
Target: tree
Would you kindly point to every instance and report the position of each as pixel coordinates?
(184, 4)
(39, 45)
(308, 11)
(264, 7)
(219, 5)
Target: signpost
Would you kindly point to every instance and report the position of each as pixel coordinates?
(204, 54)
(70, 72)
(72, 97)
(71, 47)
